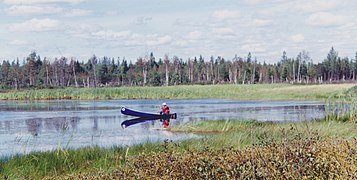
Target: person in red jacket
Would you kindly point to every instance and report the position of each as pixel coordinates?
(165, 110)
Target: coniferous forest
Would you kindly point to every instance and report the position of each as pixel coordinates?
(37, 72)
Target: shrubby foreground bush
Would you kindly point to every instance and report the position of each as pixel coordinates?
(296, 159)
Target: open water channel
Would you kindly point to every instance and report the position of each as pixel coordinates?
(27, 126)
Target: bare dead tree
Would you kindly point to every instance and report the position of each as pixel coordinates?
(74, 71)
(167, 62)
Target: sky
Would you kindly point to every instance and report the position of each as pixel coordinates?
(184, 28)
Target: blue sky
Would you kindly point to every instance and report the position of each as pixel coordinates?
(185, 28)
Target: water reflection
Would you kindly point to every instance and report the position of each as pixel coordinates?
(59, 124)
(33, 126)
(27, 126)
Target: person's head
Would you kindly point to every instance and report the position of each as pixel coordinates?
(163, 104)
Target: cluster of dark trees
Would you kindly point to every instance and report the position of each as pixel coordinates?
(149, 71)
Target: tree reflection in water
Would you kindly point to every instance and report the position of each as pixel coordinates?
(34, 126)
(60, 124)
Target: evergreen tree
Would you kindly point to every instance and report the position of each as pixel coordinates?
(331, 64)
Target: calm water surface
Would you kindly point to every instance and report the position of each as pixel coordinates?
(27, 126)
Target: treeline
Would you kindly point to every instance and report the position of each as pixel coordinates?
(36, 72)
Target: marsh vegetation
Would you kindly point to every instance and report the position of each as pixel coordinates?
(322, 148)
(256, 91)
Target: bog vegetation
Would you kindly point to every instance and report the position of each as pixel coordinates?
(235, 149)
(319, 149)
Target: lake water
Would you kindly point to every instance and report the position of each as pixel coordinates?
(27, 126)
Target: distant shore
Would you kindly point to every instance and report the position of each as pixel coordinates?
(252, 91)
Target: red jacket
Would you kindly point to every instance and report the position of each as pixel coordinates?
(165, 109)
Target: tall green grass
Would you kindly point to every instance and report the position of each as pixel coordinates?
(253, 91)
(343, 108)
(37, 165)
(238, 133)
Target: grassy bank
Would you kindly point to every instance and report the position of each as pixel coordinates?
(224, 151)
(254, 91)
(242, 133)
(250, 149)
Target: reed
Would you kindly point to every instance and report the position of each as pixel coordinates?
(253, 91)
(343, 108)
(238, 133)
(37, 165)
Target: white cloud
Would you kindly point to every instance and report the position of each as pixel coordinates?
(226, 14)
(187, 22)
(260, 22)
(35, 25)
(223, 31)
(111, 35)
(270, 24)
(155, 41)
(126, 38)
(180, 43)
(137, 40)
(253, 48)
(318, 5)
(77, 13)
(298, 38)
(82, 30)
(277, 10)
(36, 2)
(255, 2)
(29, 10)
(32, 10)
(326, 19)
(18, 42)
(194, 35)
(142, 20)
(111, 13)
